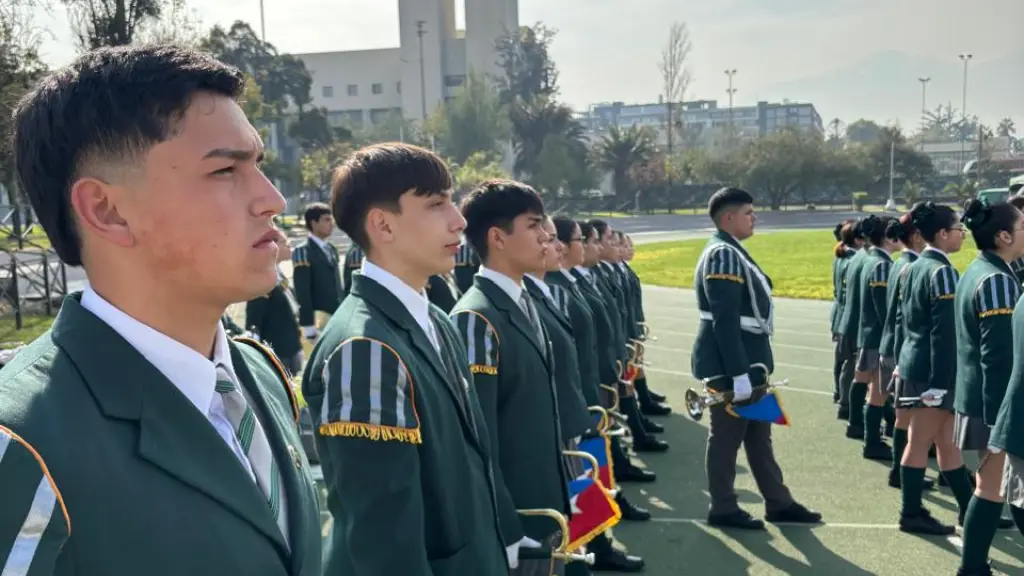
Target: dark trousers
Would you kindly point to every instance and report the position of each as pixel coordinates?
(549, 567)
(845, 362)
(726, 434)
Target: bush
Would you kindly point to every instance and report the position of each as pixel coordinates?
(859, 200)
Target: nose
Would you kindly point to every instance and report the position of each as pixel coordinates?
(268, 199)
(457, 222)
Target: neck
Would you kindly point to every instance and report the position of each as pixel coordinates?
(1005, 255)
(410, 276)
(163, 309)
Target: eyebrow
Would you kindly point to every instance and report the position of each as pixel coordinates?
(238, 154)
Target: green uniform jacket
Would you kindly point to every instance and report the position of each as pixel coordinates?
(1018, 270)
(513, 376)
(985, 297)
(1008, 432)
(272, 318)
(636, 290)
(732, 335)
(402, 445)
(614, 305)
(353, 262)
(839, 267)
(569, 297)
(928, 355)
(618, 278)
(871, 284)
(317, 281)
(572, 408)
(603, 327)
(230, 326)
(466, 265)
(849, 321)
(892, 334)
(442, 291)
(115, 472)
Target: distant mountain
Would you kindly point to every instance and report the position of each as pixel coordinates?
(884, 87)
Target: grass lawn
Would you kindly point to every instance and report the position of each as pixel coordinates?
(32, 327)
(799, 263)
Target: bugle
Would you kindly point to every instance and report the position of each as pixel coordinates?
(560, 552)
(593, 473)
(697, 403)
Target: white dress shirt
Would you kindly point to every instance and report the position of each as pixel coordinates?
(415, 302)
(509, 286)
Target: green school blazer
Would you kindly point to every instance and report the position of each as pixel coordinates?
(513, 374)
(443, 292)
(871, 283)
(317, 280)
(985, 298)
(402, 444)
(604, 328)
(1008, 432)
(892, 334)
(928, 354)
(272, 317)
(571, 299)
(839, 266)
(735, 310)
(849, 321)
(109, 469)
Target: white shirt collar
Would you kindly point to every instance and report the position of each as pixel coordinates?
(582, 269)
(415, 302)
(909, 251)
(189, 371)
(542, 285)
(930, 247)
(567, 274)
(511, 287)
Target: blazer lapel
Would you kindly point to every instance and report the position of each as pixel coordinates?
(173, 435)
(513, 313)
(538, 294)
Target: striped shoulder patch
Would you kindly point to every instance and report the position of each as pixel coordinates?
(34, 522)
(880, 275)
(285, 379)
(943, 283)
(482, 341)
(996, 296)
(299, 257)
(561, 297)
(354, 257)
(368, 393)
(724, 264)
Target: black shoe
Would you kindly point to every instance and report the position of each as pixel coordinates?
(855, 432)
(986, 571)
(895, 482)
(651, 426)
(877, 451)
(843, 412)
(613, 560)
(634, 474)
(924, 523)
(650, 444)
(656, 409)
(655, 396)
(631, 511)
(795, 514)
(738, 519)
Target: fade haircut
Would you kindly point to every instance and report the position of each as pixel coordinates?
(496, 203)
(725, 199)
(109, 107)
(377, 177)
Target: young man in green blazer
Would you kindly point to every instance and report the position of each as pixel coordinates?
(732, 352)
(352, 262)
(316, 271)
(513, 363)
(135, 437)
(400, 435)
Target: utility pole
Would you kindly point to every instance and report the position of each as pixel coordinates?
(963, 137)
(423, 78)
(263, 24)
(924, 80)
(730, 91)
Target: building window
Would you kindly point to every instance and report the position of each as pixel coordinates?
(327, 91)
(377, 88)
(454, 81)
(353, 90)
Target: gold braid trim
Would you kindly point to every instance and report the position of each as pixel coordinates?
(995, 312)
(731, 277)
(372, 432)
(481, 369)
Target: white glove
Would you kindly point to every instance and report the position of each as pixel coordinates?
(309, 332)
(513, 551)
(741, 389)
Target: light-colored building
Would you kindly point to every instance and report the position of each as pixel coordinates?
(951, 158)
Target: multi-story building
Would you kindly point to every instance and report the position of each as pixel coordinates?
(702, 122)
(953, 157)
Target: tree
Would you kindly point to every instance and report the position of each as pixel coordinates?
(178, 25)
(98, 23)
(256, 110)
(863, 132)
(529, 72)
(1007, 128)
(619, 151)
(675, 76)
(477, 168)
(317, 168)
(473, 121)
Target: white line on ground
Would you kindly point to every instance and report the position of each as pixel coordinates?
(848, 525)
(687, 352)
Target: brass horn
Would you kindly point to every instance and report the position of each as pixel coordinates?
(560, 552)
(697, 403)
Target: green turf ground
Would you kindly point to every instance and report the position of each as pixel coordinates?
(799, 263)
(823, 469)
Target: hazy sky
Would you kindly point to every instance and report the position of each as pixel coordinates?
(607, 50)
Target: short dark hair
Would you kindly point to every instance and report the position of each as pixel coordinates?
(600, 225)
(109, 105)
(727, 198)
(563, 228)
(496, 203)
(314, 212)
(986, 221)
(378, 176)
(586, 229)
(1018, 201)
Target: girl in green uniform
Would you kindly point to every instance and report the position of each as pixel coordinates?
(870, 283)
(985, 299)
(926, 366)
(847, 246)
(905, 233)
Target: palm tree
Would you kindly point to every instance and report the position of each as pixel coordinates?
(620, 150)
(539, 122)
(1007, 128)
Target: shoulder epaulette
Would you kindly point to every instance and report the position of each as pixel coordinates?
(299, 256)
(943, 282)
(272, 358)
(482, 341)
(724, 264)
(996, 295)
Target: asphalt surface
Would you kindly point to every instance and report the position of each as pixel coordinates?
(643, 229)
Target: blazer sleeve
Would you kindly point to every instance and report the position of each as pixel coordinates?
(483, 346)
(942, 336)
(994, 301)
(371, 431)
(878, 285)
(34, 523)
(725, 287)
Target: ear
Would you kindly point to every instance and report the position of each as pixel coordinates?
(95, 204)
(496, 238)
(379, 226)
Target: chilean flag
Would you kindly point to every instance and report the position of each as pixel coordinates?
(593, 512)
(767, 409)
(600, 448)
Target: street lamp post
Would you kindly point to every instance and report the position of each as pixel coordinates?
(924, 80)
(423, 78)
(730, 73)
(263, 24)
(966, 57)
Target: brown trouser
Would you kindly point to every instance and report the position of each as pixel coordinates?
(726, 433)
(549, 567)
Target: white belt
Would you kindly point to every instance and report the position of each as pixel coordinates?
(747, 323)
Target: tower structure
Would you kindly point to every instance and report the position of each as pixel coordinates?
(486, 22)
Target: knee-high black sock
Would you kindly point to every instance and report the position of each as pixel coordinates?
(899, 443)
(858, 395)
(959, 480)
(890, 413)
(980, 525)
(912, 480)
(620, 461)
(643, 393)
(872, 424)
